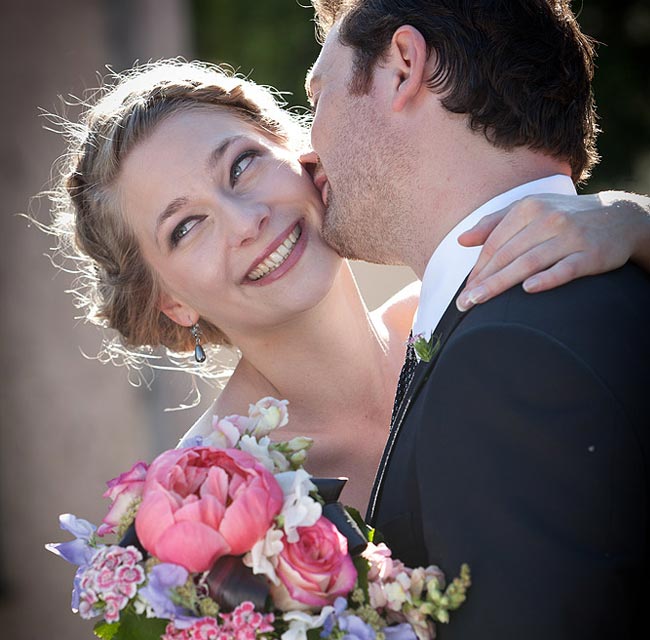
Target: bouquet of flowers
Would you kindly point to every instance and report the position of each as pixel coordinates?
(230, 537)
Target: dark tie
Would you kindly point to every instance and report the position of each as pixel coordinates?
(405, 377)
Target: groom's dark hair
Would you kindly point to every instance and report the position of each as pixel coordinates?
(520, 69)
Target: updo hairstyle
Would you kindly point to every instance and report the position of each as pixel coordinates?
(115, 288)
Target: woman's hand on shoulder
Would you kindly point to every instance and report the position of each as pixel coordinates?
(548, 240)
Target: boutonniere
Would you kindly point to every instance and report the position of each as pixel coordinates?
(425, 349)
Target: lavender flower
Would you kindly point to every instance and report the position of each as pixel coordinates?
(157, 594)
(355, 628)
(81, 550)
(193, 441)
(402, 631)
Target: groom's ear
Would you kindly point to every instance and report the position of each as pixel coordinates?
(408, 60)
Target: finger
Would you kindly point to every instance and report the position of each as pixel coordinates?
(574, 266)
(478, 234)
(527, 240)
(530, 263)
(508, 227)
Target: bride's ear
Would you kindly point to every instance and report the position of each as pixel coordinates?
(176, 311)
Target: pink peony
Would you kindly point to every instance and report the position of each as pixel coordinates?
(315, 570)
(202, 503)
(123, 491)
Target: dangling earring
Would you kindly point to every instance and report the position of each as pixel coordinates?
(199, 354)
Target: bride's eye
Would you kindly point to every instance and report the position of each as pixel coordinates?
(240, 165)
(183, 228)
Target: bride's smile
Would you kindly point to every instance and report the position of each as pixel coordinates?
(279, 258)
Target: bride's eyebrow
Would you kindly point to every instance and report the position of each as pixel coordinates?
(217, 155)
(169, 211)
(214, 159)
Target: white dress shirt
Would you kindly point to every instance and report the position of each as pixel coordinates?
(451, 263)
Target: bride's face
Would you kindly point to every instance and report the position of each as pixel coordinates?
(228, 220)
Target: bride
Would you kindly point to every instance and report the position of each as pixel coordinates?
(193, 223)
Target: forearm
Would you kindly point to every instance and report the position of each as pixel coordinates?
(636, 209)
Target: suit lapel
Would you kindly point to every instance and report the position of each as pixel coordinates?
(447, 325)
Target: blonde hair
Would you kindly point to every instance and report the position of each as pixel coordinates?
(115, 288)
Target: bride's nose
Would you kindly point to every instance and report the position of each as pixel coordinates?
(247, 222)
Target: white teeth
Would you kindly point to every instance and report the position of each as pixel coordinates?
(277, 257)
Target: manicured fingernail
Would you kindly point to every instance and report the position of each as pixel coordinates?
(469, 298)
(462, 302)
(531, 284)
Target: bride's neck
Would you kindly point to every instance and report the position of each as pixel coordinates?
(331, 356)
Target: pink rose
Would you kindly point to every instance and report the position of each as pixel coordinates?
(202, 503)
(315, 570)
(123, 491)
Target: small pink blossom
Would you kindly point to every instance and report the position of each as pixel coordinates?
(114, 604)
(109, 582)
(105, 579)
(244, 623)
(87, 603)
(123, 491)
(381, 563)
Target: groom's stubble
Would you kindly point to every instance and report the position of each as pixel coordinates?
(366, 217)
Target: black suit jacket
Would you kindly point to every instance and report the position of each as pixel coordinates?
(523, 449)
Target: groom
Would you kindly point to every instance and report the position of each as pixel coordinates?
(523, 446)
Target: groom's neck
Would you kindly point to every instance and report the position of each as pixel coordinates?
(472, 178)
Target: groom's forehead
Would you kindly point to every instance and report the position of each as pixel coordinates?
(309, 82)
(331, 62)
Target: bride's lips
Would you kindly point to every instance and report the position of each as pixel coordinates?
(265, 269)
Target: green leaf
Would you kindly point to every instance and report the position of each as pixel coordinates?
(426, 349)
(137, 627)
(106, 630)
(314, 634)
(362, 566)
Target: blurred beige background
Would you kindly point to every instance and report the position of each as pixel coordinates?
(70, 423)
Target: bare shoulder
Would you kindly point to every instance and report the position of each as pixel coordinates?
(396, 314)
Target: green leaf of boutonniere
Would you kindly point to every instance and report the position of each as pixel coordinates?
(426, 349)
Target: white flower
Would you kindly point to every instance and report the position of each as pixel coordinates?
(268, 414)
(301, 622)
(376, 595)
(260, 557)
(224, 435)
(299, 508)
(395, 595)
(259, 449)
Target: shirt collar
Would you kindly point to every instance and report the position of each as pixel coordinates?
(451, 263)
